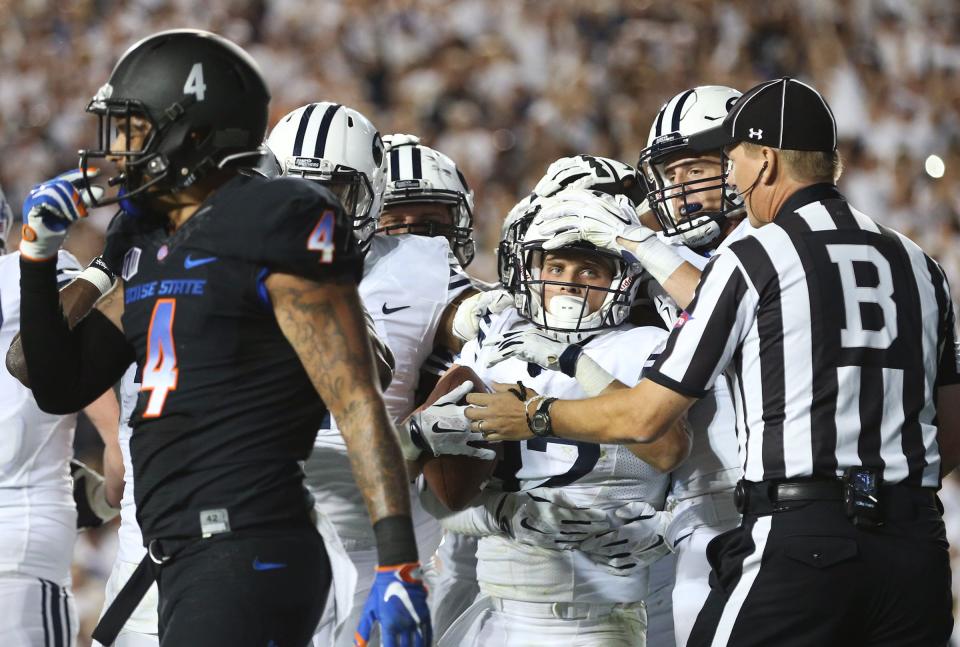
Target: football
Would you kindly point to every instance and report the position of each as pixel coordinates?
(456, 480)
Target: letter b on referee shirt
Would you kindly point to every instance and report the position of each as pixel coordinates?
(854, 334)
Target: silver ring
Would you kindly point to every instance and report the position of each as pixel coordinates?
(480, 426)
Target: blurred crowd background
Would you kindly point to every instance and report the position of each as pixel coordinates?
(507, 86)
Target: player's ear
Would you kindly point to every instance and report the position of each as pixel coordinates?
(771, 163)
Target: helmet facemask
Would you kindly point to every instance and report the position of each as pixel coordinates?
(569, 310)
(695, 209)
(459, 230)
(511, 234)
(351, 188)
(419, 174)
(143, 168)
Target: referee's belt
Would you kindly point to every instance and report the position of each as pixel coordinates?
(767, 497)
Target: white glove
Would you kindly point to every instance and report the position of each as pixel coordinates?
(50, 208)
(554, 523)
(638, 543)
(637, 243)
(466, 321)
(528, 345)
(535, 347)
(90, 494)
(442, 428)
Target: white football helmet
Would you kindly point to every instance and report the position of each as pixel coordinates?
(6, 222)
(417, 174)
(567, 317)
(680, 207)
(340, 148)
(602, 174)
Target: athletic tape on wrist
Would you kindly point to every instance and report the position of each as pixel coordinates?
(98, 275)
(591, 377)
(658, 259)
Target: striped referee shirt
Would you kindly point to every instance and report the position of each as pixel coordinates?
(834, 332)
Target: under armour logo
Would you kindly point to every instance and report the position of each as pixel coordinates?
(756, 134)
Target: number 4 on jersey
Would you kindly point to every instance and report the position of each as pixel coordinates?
(160, 370)
(321, 239)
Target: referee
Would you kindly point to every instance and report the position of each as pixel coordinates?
(837, 335)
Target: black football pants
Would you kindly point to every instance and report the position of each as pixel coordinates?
(251, 588)
(808, 577)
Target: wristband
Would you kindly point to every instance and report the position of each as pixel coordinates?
(568, 360)
(396, 542)
(99, 275)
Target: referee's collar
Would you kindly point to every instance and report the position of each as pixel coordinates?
(809, 194)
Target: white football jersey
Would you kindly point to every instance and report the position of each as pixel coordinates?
(38, 517)
(408, 281)
(591, 475)
(130, 548)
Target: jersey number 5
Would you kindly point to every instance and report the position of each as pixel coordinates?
(160, 370)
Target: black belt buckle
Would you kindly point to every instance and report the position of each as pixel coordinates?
(861, 496)
(741, 497)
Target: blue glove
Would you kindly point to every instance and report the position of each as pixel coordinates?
(50, 208)
(398, 601)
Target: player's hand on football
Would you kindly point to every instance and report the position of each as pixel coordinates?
(466, 320)
(529, 345)
(637, 543)
(398, 602)
(501, 415)
(50, 208)
(442, 428)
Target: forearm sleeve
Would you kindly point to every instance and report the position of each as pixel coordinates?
(68, 369)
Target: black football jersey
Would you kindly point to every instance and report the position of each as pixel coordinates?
(226, 409)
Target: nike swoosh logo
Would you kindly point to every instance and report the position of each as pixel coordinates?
(266, 566)
(709, 118)
(396, 590)
(437, 429)
(190, 263)
(390, 311)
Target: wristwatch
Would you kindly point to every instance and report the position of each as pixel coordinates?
(540, 423)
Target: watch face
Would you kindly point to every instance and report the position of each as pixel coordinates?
(539, 423)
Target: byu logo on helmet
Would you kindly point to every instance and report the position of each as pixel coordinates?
(756, 134)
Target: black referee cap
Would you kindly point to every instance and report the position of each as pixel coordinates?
(783, 113)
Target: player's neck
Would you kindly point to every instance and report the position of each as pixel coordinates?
(181, 206)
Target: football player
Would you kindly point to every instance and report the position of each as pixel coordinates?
(590, 591)
(237, 300)
(411, 287)
(39, 503)
(697, 212)
(454, 573)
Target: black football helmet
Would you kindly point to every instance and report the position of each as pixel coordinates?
(205, 100)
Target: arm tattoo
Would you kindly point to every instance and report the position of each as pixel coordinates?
(325, 325)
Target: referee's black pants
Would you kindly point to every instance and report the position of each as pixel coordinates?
(256, 588)
(808, 577)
